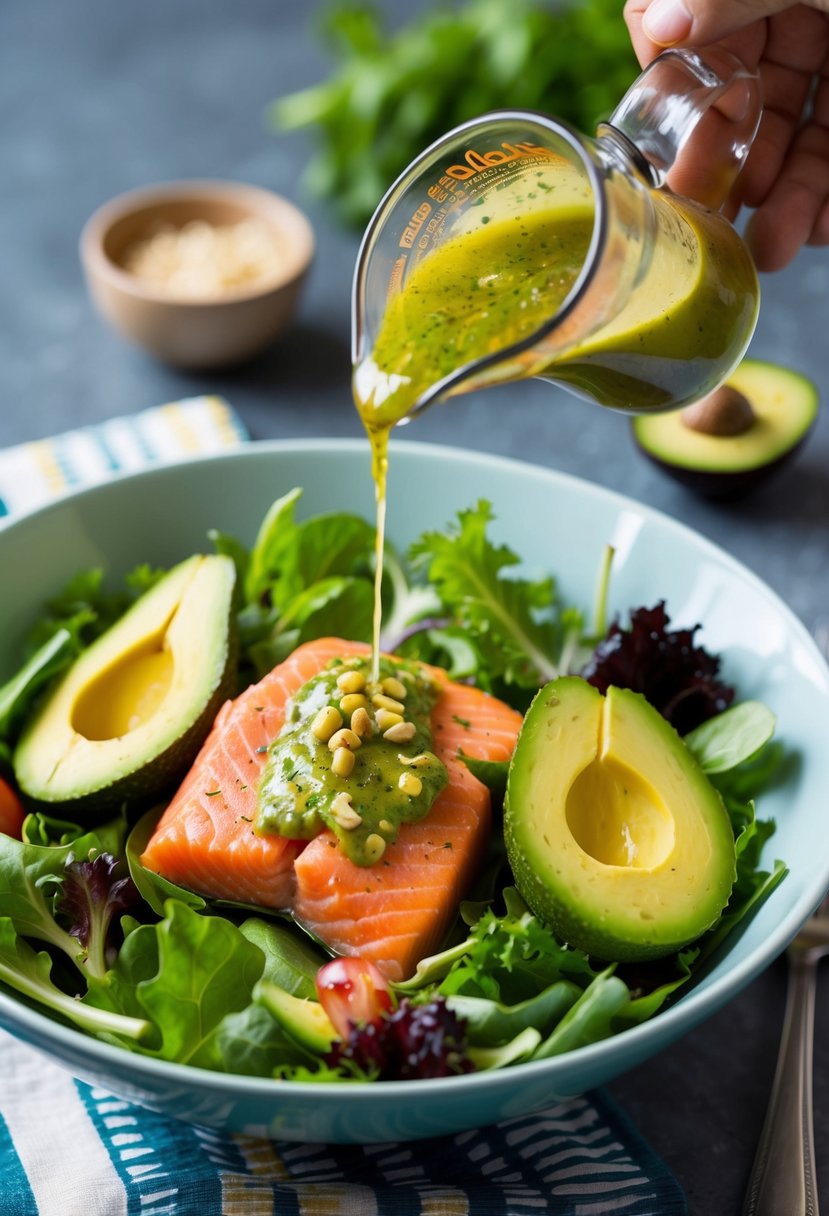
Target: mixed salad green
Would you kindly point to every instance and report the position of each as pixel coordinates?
(98, 941)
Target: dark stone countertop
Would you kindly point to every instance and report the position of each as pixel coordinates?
(97, 98)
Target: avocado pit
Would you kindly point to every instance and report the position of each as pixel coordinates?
(730, 441)
(726, 411)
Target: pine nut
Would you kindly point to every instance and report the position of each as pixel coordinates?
(394, 687)
(361, 723)
(326, 722)
(401, 732)
(352, 701)
(385, 719)
(383, 702)
(343, 762)
(410, 785)
(344, 814)
(423, 760)
(345, 738)
(375, 847)
(351, 681)
(385, 826)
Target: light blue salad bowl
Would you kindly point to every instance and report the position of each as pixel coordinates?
(558, 525)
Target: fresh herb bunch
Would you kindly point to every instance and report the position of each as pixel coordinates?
(395, 93)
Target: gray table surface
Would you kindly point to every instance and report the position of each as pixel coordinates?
(97, 98)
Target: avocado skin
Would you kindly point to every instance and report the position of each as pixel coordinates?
(766, 386)
(557, 907)
(721, 486)
(149, 781)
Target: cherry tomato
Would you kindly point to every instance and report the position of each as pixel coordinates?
(11, 811)
(352, 992)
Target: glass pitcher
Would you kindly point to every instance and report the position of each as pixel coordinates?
(516, 247)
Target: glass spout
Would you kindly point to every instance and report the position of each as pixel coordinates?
(690, 112)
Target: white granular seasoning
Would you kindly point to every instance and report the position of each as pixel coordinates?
(201, 260)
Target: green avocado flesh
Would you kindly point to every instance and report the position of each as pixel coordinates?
(304, 1021)
(298, 787)
(127, 719)
(785, 405)
(616, 837)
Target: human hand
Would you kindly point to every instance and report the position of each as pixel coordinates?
(786, 174)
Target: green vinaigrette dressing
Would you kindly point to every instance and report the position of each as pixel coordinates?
(684, 323)
(299, 791)
(502, 280)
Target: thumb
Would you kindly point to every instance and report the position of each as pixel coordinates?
(699, 22)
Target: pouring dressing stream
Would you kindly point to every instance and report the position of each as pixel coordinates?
(515, 248)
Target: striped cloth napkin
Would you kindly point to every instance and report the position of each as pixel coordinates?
(70, 1149)
(32, 473)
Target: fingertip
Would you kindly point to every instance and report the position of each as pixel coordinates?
(645, 49)
(820, 231)
(666, 22)
(770, 244)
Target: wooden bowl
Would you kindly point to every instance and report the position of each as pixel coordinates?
(222, 325)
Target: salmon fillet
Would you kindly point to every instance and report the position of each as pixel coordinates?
(397, 912)
(393, 913)
(205, 839)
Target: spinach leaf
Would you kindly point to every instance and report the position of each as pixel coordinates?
(491, 773)
(275, 534)
(732, 737)
(291, 962)
(302, 580)
(185, 974)
(288, 558)
(331, 607)
(40, 828)
(253, 1044)
(590, 1019)
(522, 1047)
(18, 694)
(490, 1023)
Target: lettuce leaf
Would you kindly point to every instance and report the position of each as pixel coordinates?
(184, 975)
(516, 623)
(29, 972)
(31, 886)
(513, 957)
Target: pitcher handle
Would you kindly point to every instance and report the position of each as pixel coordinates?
(662, 109)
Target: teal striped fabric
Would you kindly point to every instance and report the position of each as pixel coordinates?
(68, 1149)
(33, 473)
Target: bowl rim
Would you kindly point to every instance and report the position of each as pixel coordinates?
(665, 1027)
(259, 200)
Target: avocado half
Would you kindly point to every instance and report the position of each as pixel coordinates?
(125, 722)
(616, 838)
(715, 465)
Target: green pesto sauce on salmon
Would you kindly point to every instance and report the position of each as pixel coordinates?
(354, 756)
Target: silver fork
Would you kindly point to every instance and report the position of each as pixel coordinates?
(782, 1181)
